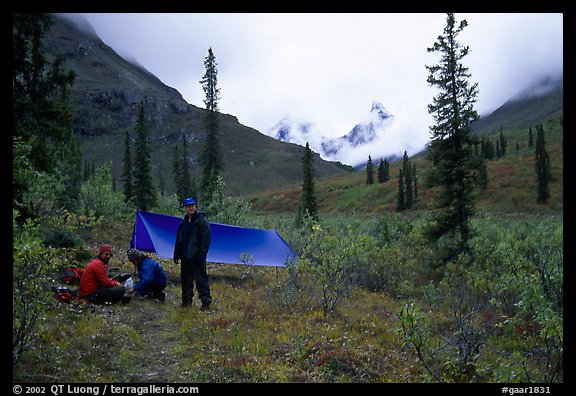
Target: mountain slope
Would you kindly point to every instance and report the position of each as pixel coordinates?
(105, 98)
(544, 101)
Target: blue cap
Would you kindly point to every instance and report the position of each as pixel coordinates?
(189, 201)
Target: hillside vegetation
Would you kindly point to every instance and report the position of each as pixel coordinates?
(104, 100)
(511, 183)
(363, 303)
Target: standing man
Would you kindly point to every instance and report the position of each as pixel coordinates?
(191, 247)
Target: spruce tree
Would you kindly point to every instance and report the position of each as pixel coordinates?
(401, 198)
(490, 151)
(143, 189)
(183, 182)
(408, 187)
(41, 113)
(386, 170)
(381, 171)
(530, 138)
(543, 172)
(369, 171)
(127, 184)
(415, 182)
(503, 143)
(161, 183)
(483, 177)
(308, 205)
(86, 172)
(211, 156)
(454, 167)
(187, 189)
(176, 173)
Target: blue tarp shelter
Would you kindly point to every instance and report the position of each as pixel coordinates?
(156, 233)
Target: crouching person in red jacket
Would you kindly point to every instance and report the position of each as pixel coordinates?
(96, 286)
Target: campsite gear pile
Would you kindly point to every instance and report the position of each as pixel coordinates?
(69, 276)
(67, 295)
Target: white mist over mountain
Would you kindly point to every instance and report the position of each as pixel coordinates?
(379, 135)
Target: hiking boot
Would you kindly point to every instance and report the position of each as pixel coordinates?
(205, 307)
(160, 297)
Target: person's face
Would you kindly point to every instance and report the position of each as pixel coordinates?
(106, 256)
(190, 209)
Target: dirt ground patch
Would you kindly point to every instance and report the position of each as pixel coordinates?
(158, 362)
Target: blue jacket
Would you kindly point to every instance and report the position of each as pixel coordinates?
(152, 276)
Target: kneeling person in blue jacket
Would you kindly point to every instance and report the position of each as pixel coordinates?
(151, 274)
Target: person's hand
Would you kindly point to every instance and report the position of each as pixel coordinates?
(130, 291)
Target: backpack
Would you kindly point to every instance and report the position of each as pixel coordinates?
(71, 275)
(67, 295)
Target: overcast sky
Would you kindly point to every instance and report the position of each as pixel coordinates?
(327, 69)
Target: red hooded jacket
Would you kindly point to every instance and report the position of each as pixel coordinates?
(95, 277)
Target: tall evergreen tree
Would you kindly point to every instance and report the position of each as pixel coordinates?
(454, 166)
(187, 182)
(41, 114)
(144, 192)
(381, 171)
(408, 187)
(415, 182)
(161, 182)
(486, 148)
(401, 198)
(308, 204)
(483, 176)
(530, 138)
(369, 171)
(211, 156)
(86, 172)
(127, 185)
(543, 172)
(503, 143)
(176, 173)
(386, 170)
(183, 182)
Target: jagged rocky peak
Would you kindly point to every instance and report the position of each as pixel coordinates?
(380, 111)
(373, 125)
